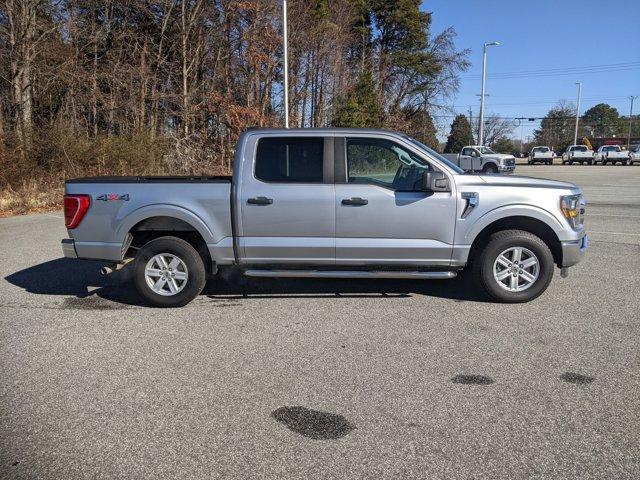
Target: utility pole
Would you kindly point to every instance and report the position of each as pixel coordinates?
(470, 127)
(521, 133)
(632, 98)
(286, 64)
(575, 136)
(484, 79)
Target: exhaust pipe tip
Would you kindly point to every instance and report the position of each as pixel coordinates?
(106, 270)
(109, 269)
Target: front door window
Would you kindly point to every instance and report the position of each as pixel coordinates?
(384, 163)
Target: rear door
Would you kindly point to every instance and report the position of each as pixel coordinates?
(286, 201)
(383, 215)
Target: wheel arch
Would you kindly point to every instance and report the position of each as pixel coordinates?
(527, 223)
(153, 222)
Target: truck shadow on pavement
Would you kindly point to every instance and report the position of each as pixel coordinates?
(82, 280)
(459, 289)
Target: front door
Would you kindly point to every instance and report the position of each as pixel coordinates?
(287, 202)
(383, 214)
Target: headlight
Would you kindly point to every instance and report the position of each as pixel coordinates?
(572, 207)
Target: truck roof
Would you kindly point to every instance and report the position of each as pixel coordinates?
(321, 130)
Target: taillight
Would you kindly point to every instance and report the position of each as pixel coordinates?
(75, 207)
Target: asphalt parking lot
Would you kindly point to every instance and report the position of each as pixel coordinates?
(325, 379)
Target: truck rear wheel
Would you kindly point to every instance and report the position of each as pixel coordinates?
(169, 272)
(514, 267)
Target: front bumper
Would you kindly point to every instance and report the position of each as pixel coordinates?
(69, 248)
(573, 251)
(506, 168)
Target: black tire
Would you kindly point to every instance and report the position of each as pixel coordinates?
(490, 168)
(196, 278)
(483, 265)
(549, 162)
(604, 162)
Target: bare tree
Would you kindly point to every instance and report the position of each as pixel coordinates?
(495, 127)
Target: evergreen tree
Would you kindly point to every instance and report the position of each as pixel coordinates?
(557, 127)
(460, 135)
(360, 107)
(504, 145)
(421, 128)
(603, 120)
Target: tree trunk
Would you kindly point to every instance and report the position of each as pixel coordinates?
(22, 28)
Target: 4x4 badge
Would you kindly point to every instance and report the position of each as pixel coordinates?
(111, 197)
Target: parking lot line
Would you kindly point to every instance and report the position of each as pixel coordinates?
(616, 233)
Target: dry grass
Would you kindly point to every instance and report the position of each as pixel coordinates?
(30, 198)
(33, 181)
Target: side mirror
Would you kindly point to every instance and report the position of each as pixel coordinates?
(435, 182)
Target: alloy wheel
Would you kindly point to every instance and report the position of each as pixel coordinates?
(516, 269)
(166, 274)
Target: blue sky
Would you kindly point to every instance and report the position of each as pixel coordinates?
(539, 35)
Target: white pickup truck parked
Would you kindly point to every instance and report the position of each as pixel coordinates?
(634, 155)
(577, 154)
(541, 154)
(611, 154)
(476, 158)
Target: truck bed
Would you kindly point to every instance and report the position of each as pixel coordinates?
(118, 204)
(152, 179)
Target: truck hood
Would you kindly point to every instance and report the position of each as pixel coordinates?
(499, 156)
(521, 181)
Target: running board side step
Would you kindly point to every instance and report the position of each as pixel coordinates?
(350, 274)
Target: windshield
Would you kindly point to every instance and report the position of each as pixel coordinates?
(433, 153)
(579, 149)
(541, 149)
(611, 149)
(484, 150)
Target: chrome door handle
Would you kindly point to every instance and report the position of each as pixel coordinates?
(260, 201)
(356, 201)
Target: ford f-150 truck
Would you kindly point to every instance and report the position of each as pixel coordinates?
(577, 154)
(329, 203)
(611, 154)
(476, 158)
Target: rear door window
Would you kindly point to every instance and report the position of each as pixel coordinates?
(289, 159)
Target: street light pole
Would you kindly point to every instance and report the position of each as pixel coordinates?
(286, 64)
(482, 94)
(632, 98)
(575, 136)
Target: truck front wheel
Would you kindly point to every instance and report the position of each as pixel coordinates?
(169, 272)
(490, 168)
(514, 266)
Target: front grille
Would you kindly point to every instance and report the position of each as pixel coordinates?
(511, 161)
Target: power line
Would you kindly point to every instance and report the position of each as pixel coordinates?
(562, 71)
(569, 69)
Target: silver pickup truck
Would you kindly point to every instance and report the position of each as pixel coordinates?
(329, 203)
